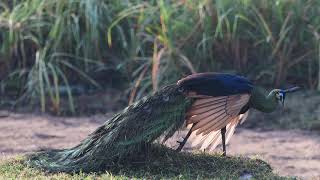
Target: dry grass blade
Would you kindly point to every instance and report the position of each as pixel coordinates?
(138, 82)
(156, 65)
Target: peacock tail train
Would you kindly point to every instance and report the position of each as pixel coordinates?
(125, 134)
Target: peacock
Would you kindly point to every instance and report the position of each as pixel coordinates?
(208, 106)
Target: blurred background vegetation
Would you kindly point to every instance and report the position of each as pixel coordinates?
(51, 50)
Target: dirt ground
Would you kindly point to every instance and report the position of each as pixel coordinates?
(294, 153)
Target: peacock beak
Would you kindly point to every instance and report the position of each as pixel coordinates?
(293, 89)
(290, 90)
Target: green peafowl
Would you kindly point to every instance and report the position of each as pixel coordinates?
(208, 105)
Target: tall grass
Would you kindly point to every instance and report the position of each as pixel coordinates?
(49, 44)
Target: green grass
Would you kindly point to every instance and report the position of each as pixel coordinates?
(49, 46)
(161, 164)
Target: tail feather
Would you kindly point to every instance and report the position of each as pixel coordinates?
(123, 136)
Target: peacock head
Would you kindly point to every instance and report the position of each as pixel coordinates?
(280, 94)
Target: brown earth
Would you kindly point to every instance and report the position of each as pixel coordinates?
(292, 152)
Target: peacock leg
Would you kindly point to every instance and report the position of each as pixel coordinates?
(223, 134)
(182, 143)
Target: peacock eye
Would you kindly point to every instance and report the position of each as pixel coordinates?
(166, 98)
(181, 89)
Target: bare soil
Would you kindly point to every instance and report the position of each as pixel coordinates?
(291, 152)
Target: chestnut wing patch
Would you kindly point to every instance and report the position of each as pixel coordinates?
(214, 113)
(210, 114)
(209, 142)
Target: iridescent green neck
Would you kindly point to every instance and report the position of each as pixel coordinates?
(262, 102)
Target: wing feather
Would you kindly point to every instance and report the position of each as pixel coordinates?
(202, 101)
(205, 117)
(212, 114)
(214, 126)
(196, 110)
(215, 142)
(211, 140)
(198, 141)
(207, 120)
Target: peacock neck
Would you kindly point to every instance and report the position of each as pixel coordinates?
(262, 102)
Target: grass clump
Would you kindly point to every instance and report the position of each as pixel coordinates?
(162, 163)
(50, 47)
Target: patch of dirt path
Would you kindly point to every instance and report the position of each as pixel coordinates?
(20, 133)
(290, 153)
(294, 153)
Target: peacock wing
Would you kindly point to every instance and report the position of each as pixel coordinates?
(210, 114)
(209, 142)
